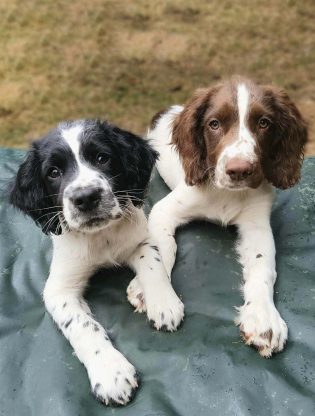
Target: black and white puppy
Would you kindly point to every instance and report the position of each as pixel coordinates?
(84, 184)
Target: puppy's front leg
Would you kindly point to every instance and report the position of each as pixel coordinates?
(260, 323)
(151, 289)
(169, 213)
(113, 379)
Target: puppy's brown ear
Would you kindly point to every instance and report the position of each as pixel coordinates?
(283, 155)
(188, 137)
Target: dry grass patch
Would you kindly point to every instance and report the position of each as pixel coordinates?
(125, 60)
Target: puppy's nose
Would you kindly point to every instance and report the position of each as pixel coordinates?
(86, 199)
(239, 169)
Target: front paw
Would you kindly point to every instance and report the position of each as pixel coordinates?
(165, 311)
(113, 379)
(262, 326)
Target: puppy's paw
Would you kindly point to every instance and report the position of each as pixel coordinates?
(113, 379)
(135, 295)
(262, 326)
(165, 311)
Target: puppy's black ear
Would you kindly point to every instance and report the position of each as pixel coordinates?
(28, 193)
(137, 159)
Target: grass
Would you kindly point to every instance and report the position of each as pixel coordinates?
(125, 60)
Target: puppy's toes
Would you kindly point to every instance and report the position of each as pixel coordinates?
(167, 313)
(113, 379)
(135, 296)
(262, 327)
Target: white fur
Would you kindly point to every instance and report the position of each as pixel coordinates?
(76, 256)
(248, 209)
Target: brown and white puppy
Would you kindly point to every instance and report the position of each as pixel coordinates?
(220, 154)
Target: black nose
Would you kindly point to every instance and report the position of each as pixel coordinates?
(86, 199)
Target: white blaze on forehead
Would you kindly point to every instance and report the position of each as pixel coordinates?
(72, 137)
(242, 104)
(86, 175)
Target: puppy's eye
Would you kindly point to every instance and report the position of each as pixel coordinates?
(54, 172)
(214, 124)
(264, 123)
(102, 158)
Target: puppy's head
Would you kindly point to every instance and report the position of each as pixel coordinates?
(82, 176)
(238, 133)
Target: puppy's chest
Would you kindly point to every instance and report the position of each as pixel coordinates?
(115, 247)
(223, 207)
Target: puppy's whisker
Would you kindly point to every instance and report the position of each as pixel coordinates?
(48, 213)
(43, 209)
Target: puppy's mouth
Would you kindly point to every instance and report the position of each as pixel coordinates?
(99, 221)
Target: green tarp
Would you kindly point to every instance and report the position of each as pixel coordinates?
(204, 368)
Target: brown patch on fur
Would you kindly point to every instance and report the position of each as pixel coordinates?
(156, 118)
(283, 154)
(267, 335)
(188, 137)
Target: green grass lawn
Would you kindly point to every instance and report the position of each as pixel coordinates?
(125, 60)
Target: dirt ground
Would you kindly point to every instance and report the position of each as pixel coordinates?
(125, 60)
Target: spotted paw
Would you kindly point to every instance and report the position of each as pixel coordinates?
(135, 295)
(262, 326)
(165, 310)
(113, 379)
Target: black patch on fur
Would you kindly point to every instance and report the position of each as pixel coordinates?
(258, 256)
(157, 259)
(97, 352)
(86, 324)
(68, 323)
(64, 305)
(155, 248)
(95, 328)
(141, 257)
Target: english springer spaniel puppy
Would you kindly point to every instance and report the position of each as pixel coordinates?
(84, 184)
(220, 154)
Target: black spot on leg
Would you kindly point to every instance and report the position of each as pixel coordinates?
(97, 352)
(95, 328)
(162, 316)
(141, 257)
(248, 303)
(151, 268)
(258, 256)
(96, 387)
(68, 323)
(172, 322)
(157, 259)
(86, 324)
(155, 248)
(143, 243)
(64, 305)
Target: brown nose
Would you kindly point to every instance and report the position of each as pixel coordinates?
(238, 169)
